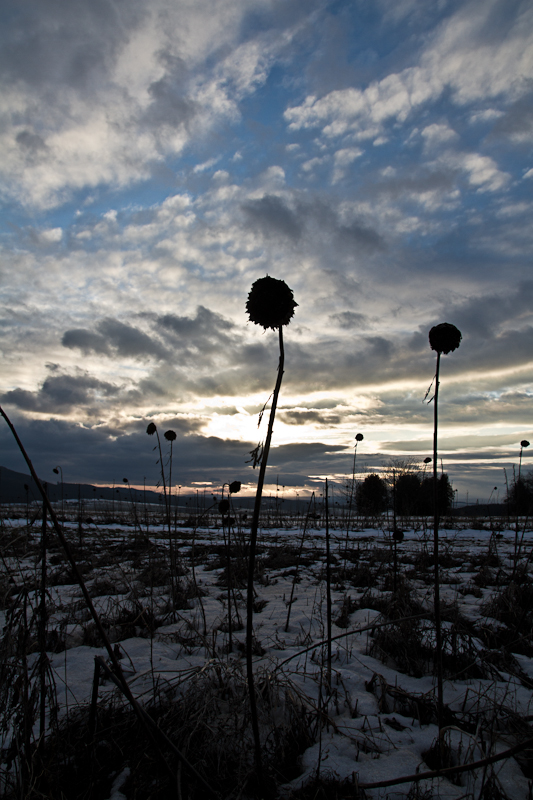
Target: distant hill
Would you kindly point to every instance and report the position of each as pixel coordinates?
(16, 487)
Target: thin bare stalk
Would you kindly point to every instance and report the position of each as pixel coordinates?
(251, 563)
(328, 590)
(117, 669)
(438, 629)
(42, 626)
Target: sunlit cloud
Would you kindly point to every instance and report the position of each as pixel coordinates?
(158, 159)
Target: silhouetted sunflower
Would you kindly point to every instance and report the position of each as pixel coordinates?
(270, 303)
(445, 338)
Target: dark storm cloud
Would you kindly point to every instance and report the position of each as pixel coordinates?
(303, 459)
(31, 142)
(511, 349)
(361, 236)
(517, 119)
(58, 42)
(61, 393)
(170, 104)
(332, 365)
(114, 339)
(309, 416)
(350, 320)
(129, 341)
(207, 328)
(499, 446)
(315, 215)
(205, 340)
(112, 453)
(109, 453)
(273, 217)
(86, 341)
(485, 316)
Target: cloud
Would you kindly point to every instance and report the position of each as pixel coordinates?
(63, 394)
(516, 122)
(309, 416)
(342, 160)
(364, 237)
(160, 158)
(123, 87)
(273, 217)
(479, 52)
(350, 320)
(86, 341)
(115, 339)
(170, 104)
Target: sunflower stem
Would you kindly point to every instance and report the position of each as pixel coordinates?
(251, 562)
(438, 630)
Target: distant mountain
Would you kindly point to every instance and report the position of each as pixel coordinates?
(16, 487)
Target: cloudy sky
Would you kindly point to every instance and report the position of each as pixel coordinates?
(159, 157)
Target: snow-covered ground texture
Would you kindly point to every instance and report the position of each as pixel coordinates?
(329, 729)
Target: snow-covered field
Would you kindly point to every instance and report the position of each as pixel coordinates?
(326, 734)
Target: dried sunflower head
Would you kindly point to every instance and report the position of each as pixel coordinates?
(235, 487)
(270, 303)
(170, 436)
(445, 338)
(359, 437)
(524, 443)
(151, 429)
(223, 506)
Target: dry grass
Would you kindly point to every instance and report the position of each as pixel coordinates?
(207, 716)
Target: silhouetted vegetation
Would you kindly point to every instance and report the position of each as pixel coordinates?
(371, 495)
(520, 495)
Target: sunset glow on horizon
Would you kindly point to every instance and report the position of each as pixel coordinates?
(159, 158)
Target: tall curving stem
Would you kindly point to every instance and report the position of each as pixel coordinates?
(271, 305)
(251, 561)
(443, 338)
(436, 521)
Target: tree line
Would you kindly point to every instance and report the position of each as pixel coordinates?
(405, 490)
(520, 495)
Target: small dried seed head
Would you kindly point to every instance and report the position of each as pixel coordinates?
(235, 487)
(359, 437)
(170, 436)
(524, 443)
(151, 429)
(270, 303)
(445, 338)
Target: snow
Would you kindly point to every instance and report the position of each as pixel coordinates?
(367, 733)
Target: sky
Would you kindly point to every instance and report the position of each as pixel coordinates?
(160, 157)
